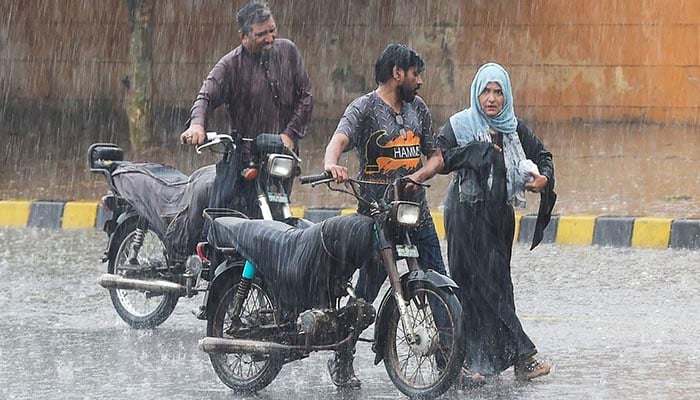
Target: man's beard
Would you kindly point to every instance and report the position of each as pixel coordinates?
(264, 54)
(406, 94)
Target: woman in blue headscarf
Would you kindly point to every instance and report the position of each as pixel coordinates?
(494, 158)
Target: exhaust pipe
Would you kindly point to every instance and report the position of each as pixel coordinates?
(111, 281)
(222, 345)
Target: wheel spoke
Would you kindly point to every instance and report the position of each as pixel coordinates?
(416, 345)
(243, 371)
(137, 307)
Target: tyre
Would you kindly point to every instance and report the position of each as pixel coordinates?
(140, 309)
(425, 367)
(244, 372)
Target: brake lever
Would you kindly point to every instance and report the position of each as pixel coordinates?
(314, 184)
(425, 185)
(214, 138)
(294, 154)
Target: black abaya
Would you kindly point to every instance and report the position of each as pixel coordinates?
(480, 239)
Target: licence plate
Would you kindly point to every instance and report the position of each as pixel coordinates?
(277, 197)
(403, 250)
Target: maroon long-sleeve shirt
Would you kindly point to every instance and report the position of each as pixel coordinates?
(263, 94)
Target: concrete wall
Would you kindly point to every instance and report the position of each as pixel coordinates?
(570, 60)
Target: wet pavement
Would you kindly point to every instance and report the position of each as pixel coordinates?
(616, 323)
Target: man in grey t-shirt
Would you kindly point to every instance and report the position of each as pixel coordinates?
(391, 129)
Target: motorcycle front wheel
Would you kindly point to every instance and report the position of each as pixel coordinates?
(244, 372)
(425, 357)
(140, 309)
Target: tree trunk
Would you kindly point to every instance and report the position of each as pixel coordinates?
(140, 84)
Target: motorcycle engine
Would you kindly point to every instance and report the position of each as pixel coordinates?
(319, 326)
(326, 326)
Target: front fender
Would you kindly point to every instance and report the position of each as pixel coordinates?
(387, 306)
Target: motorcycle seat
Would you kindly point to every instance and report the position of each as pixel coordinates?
(166, 174)
(229, 231)
(301, 261)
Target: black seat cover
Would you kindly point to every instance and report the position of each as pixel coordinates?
(171, 201)
(301, 263)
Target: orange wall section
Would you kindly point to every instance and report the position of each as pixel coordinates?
(614, 60)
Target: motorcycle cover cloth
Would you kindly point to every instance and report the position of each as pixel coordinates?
(304, 266)
(171, 202)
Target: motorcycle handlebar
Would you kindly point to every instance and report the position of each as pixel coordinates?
(213, 139)
(407, 179)
(315, 178)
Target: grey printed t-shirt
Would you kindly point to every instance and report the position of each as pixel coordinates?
(389, 145)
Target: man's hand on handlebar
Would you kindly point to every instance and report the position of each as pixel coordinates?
(287, 140)
(338, 172)
(194, 135)
(409, 186)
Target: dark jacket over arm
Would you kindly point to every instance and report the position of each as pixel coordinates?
(476, 155)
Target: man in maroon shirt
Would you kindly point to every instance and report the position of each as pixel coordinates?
(265, 86)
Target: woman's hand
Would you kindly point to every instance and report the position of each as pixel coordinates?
(538, 184)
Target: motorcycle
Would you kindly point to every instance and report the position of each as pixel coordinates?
(156, 220)
(280, 293)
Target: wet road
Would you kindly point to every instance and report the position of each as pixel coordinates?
(616, 323)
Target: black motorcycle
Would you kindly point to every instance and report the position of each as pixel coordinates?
(156, 220)
(280, 293)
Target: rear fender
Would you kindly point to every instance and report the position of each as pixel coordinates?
(226, 275)
(123, 221)
(123, 217)
(387, 306)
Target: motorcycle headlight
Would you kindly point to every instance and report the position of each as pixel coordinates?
(406, 213)
(280, 166)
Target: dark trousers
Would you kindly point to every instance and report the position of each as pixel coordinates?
(429, 257)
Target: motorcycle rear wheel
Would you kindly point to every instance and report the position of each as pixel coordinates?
(426, 368)
(244, 372)
(139, 309)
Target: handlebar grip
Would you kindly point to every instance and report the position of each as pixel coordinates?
(314, 178)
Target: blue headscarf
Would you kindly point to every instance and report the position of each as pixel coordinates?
(472, 120)
(472, 124)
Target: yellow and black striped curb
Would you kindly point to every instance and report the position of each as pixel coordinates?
(603, 230)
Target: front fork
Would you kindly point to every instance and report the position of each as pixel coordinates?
(392, 272)
(265, 208)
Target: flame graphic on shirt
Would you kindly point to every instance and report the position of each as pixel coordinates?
(383, 155)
